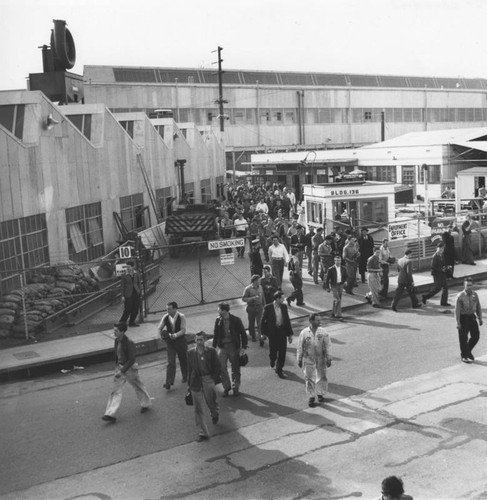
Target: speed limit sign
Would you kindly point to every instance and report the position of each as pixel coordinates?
(125, 252)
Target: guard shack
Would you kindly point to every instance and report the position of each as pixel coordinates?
(356, 203)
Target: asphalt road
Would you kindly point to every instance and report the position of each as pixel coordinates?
(52, 427)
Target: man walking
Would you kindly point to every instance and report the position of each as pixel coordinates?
(127, 370)
(254, 297)
(314, 357)
(350, 258)
(385, 258)
(296, 278)
(374, 271)
(336, 277)
(438, 271)
(298, 242)
(278, 256)
(229, 337)
(366, 248)
(203, 374)
(316, 241)
(172, 329)
(467, 311)
(405, 281)
(130, 287)
(308, 241)
(276, 325)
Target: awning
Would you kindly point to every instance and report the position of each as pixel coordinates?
(478, 145)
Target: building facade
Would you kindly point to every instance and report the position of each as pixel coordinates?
(285, 111)
(74, 176)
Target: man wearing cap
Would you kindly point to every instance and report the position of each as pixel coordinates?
(254, 297)
(405, 281)
(279, 257)
(467, 311)
(449, 253)
(351, 256)
(439, 273)
(366, 248)
(127, 370)
(276, 325)
(298, 242)
(256, 264)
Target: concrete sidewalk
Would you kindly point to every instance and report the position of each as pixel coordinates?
(430, 429)
(85, 348)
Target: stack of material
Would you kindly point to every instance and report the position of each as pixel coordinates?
(50, 291)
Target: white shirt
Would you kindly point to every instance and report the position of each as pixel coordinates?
(339, 274)
(278, 252)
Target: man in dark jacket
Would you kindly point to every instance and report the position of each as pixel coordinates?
(405, 281)
(366, 248)
(336, 277)
(203, 374)
(439, 273)
(229, 337)
(130, 287)
(127, 370)
(276, 325)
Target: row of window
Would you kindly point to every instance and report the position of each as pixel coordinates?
(287, 116)
(24, 242)
(363, 211)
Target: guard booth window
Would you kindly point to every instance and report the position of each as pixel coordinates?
(164, 199)
(371, 211)
(314, 212)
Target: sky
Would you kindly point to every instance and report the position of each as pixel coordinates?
(390, 37)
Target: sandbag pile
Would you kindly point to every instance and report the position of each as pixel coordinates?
(49, 291)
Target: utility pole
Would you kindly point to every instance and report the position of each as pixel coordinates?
(220, 101)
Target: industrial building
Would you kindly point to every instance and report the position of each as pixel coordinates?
(269, 111)
(76, 178)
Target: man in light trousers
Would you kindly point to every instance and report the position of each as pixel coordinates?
(127, 370)
(314, 357)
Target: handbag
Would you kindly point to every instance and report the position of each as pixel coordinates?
(188, 398)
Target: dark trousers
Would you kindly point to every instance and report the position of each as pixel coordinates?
(439, 284)
(241, 250)
(351, 275)
(399, 291)
(362, 268)
(277, 266)
(131, 308)
(468, 324)
(297, 294)
(177, 347)
(385, 280)
(278, 348)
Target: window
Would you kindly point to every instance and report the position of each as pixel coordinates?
(189, 193)
(220, 185)
(164, 200)
(132, 212)
(276, 116)
(205, 186)
(264, 116)
(23, 246)
(12, 118)
(85, 234)
(381, 173)
(434, 174)
(367, 115)
(82, 123)
(128, 126)
(239, 116)
(409, 175)
(373, 211)
(314, 211)
(289, 116)
(160, 130)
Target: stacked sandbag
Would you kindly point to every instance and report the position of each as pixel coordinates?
(50, 291)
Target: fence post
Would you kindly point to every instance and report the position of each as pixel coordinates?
(140, 265)
(24, 308)
(201, 274)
